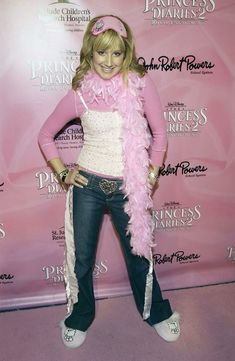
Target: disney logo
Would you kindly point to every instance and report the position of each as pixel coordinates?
(171, 204)
(175, 104)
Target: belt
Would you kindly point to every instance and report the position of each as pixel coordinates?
(107, 185)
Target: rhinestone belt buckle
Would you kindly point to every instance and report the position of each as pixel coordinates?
(107, 186)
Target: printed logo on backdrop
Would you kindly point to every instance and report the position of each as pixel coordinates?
(184, 121)
(1, 185)
(173, 216)
(2, 231)
(176, 257)
(231, 254)
(181, 12)
(184, 168)
(70, 137)
(48, 185)
(55, 274)
(100, 269)
(6, 278)
(64, 16)
(58, 236)
(54, 74)
(187, 63)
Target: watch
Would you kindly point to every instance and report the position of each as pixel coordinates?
(62, 175)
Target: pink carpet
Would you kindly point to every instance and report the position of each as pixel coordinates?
(119, 334)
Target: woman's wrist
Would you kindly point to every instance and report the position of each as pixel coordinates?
(58, 167)
(153, 176)
(62, 175)
(153, 171)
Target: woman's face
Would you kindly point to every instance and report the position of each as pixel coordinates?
(107, 63)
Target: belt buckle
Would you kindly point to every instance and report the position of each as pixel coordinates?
(108, 186)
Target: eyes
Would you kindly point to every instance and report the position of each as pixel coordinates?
(115, 53)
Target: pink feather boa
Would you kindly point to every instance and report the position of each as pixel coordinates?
(135, 143)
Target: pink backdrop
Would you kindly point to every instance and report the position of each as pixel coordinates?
(188, 49)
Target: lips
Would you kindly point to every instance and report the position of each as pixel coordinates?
(107, 70)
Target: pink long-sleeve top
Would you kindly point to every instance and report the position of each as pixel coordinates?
(71, 106)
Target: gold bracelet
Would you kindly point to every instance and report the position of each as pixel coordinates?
(153, 174)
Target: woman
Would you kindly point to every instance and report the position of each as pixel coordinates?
(110, 93)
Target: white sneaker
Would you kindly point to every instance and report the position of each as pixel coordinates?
(169, 329)
(72, 338)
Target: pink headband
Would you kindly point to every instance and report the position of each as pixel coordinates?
(109, 22)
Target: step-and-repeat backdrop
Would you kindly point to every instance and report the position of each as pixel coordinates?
(187, 47)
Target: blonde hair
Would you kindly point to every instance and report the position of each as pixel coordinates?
(107, 39)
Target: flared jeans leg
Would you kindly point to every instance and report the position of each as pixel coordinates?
(88, 210)
(137, 267)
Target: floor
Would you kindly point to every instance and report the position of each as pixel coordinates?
(119, 334)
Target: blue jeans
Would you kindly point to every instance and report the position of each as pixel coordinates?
(89, 205)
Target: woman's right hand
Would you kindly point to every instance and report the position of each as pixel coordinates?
(75, 178)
